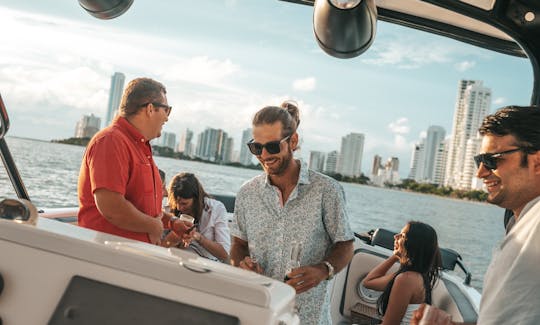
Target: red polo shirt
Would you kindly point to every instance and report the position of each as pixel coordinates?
(119, 159)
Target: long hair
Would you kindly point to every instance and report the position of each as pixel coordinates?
(422, 255)
(187, 186)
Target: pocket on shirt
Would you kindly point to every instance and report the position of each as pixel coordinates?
(146, 177)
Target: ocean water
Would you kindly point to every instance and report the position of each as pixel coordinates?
(50, 171)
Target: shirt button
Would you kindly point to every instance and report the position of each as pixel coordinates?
(148, 157)
(142, 140)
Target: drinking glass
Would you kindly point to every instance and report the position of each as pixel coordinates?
(295, 256)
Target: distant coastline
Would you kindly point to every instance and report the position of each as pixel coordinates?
(408, 185)
(83, 142)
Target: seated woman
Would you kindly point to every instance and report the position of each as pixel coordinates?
(211, 237)
(417, 251)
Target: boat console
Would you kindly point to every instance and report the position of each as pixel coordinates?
(80, 276)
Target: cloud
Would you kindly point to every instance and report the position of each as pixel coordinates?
(408, 53)
(499, 101)
(464, 65)
(399, 126)
(306, 84)
(201, 69)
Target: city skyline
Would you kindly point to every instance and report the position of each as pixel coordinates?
(58, 62)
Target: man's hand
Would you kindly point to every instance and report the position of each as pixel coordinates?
(431, 315)
(306, 277)
(248, 264)
(157, 230)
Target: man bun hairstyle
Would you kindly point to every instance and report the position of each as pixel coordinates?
(288, 114)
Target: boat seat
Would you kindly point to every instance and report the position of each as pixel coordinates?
(227, 200)
(364, 261)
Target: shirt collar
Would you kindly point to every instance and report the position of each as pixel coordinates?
(527, 207)
(132, 131)
(303, 177)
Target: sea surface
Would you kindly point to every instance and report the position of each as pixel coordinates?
(50, 171)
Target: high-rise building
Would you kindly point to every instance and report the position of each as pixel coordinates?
(185, 145)
(350, 158)
(331, 162)
(213, 145)
(316, 161)
(416, 158)
(377, 165)
(245, 155)
(87, 126)
(469, 179)
(227, 149)
(472, 105)
(440, 163)
(389, 173)
(115, 95)
(167, 139)
(426, 156)
(391, 169)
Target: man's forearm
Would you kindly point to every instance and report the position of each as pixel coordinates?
(122, 213)
(340, 254)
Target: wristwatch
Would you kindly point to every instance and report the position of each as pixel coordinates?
(330, 270)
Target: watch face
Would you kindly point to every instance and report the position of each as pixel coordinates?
(366, 294)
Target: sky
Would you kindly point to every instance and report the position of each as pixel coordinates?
(222, 60)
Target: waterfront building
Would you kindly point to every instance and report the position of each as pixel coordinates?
(416, 157)
(245, 155)
(167, 139)
(426, 158)
(185, 145)
(115, 95)
(388, 174)
(331, 162)
(227, 149)
(212, 145)
(469, 179)
(440, 163)
(472, 105)
(87, 126)
(377, 165)
(316, 160)
(350, 158)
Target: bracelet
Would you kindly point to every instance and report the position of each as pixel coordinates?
(171, 222)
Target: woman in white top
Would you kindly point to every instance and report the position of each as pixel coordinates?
(417, 251)
(211, 237)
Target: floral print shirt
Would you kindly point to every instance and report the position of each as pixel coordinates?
(314, 214)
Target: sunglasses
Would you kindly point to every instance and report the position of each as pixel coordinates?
(272, 147)
(166, 108)
(490, 159)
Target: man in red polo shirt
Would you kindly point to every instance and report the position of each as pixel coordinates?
(119, 185)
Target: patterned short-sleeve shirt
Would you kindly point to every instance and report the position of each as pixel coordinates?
(314, 214)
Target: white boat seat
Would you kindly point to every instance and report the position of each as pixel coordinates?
(362, 262)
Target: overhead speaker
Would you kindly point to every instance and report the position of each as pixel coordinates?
(345, 28)
(105, 9)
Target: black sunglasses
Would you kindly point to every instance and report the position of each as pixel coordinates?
(166, 108)
(490, 159)
(272, 147)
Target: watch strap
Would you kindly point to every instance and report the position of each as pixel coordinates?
(330, 268)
